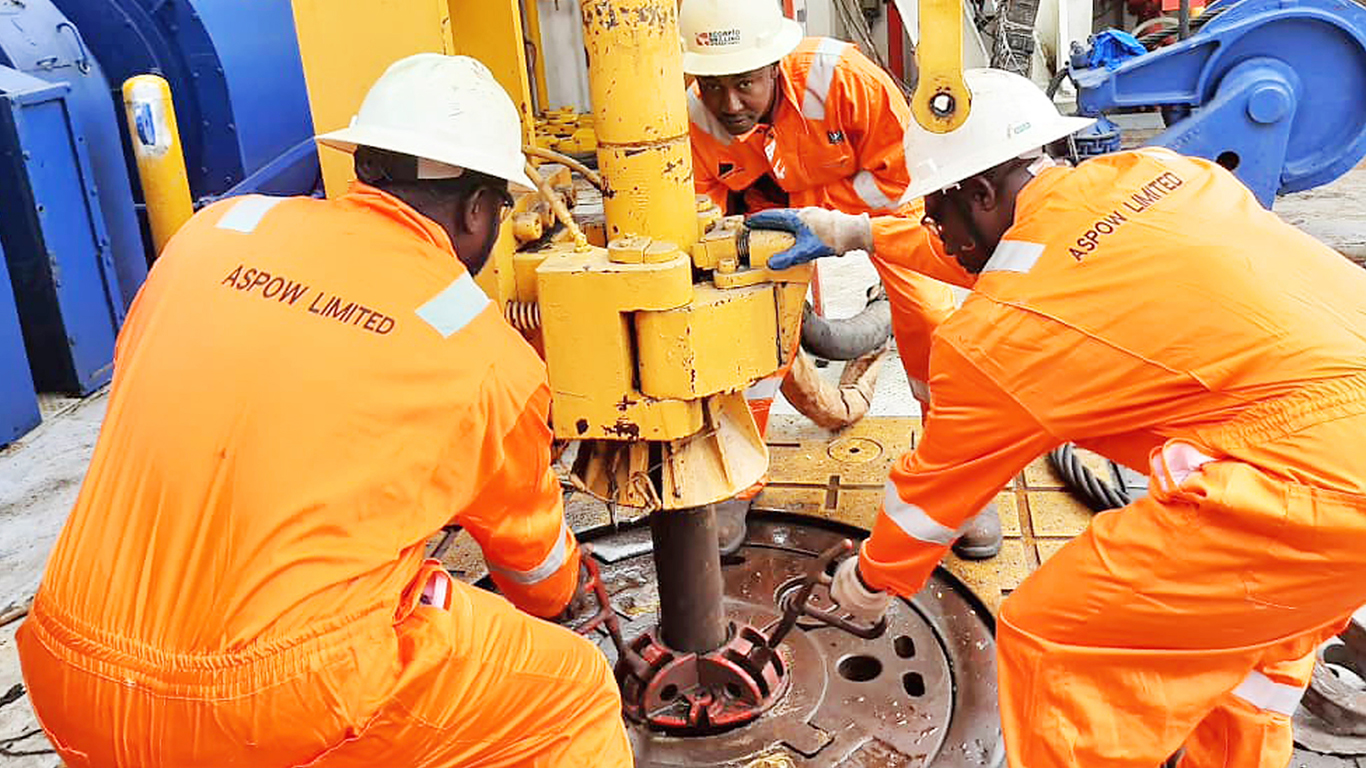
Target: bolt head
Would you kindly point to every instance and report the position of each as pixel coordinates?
(1269, 104)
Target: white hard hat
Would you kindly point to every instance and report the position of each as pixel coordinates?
(447, 110)
(1010, 117)
(728, 37)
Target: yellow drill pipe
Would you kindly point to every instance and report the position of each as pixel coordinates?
(161, 164)
(635, 76)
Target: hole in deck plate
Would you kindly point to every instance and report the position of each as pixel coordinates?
(860, 668)
(733, 691)
(1229, 160)
(905, 647)
(669, 693)
(913, 683)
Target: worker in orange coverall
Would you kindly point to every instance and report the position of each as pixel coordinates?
(1145, 306)
(778, 120)
(304, 392)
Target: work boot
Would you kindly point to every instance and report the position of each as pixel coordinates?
(730, 524)
(981, 536)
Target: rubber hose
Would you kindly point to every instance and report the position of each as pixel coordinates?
(847, 339)
(1098, 494)
(566, 161)
(833, 406)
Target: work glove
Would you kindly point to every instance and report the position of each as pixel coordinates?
(854, 597)
(819, 232)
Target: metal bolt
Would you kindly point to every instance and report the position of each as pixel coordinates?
(1269, 104)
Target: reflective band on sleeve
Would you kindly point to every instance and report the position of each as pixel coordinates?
(764, 389)
(865, 184)
(454, 307)
(547, 568)
(704, 119)
(1264, 693)
(247, 212)
(913, 521)
(1014, 256)
(819, 77)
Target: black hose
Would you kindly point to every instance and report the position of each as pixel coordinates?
(1098, 494)
(847, 339)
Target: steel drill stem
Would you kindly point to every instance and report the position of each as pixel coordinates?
(688, 567)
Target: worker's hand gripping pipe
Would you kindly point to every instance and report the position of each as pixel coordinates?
(941, 100)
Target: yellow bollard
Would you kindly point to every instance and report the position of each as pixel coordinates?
(161, 164)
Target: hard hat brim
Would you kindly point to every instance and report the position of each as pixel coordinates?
(408, 143)
(958, 170)
(721, 64)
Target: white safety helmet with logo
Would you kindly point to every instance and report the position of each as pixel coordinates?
(448, 112)
(728, 37)
(1010, 117)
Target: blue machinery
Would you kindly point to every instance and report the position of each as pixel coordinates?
(73, 241)
(1274, 90)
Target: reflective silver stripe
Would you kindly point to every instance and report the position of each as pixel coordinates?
(1161, 154)
(819, 77)
(1264, 693)
(865, 184)
(1014, 256)
(704, 119)
(913, 521)
(547, 567)
(764, 389)
(454, 307)
(247, 212)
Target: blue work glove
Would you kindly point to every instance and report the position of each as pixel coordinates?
(819, 233)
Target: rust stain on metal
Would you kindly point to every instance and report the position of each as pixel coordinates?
(624, 428)
(602, 13)
(627, 146)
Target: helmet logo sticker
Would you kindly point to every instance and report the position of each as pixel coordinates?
(718, 37)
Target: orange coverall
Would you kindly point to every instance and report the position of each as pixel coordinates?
(1145, 306)
(835, 142)
(304, 392)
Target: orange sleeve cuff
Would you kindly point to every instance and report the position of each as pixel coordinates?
(549, 594)
(896, 563)
(900, 240)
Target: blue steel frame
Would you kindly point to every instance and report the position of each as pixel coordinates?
(56, 248)
(236, 77)
(35, 38)
(18, 403)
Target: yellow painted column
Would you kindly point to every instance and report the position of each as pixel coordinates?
(345, 45)
(491, 31)
(533, 34)
(161, 163)
(635, 76)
